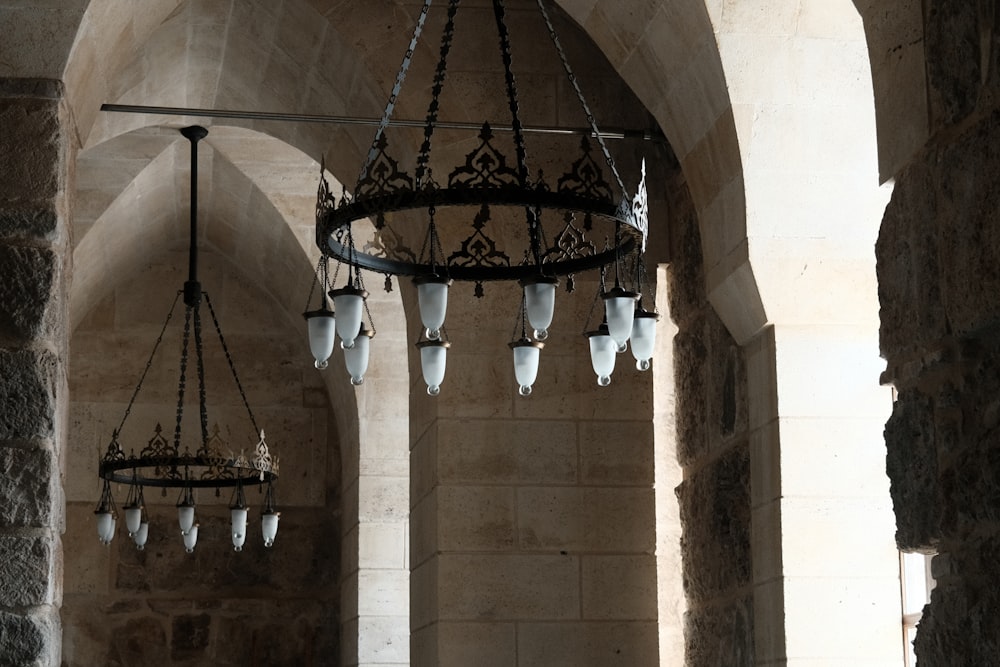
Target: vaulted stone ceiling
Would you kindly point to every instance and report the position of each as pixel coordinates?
(258, 179)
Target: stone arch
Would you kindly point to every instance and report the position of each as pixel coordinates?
(782, 171)
(269, 247)
(668, 52)
(896, 50)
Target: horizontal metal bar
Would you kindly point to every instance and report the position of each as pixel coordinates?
(647, 135)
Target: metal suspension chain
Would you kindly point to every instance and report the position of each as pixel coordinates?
(439, 77)
(579, 96)
(321, 277)
(200, 361)
(182, 382)
(522, 159)
(232, 367)
(391, 104)
(149, 363)
(602, 288)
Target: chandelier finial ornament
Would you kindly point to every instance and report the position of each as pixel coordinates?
(164, 462)
(511, 215)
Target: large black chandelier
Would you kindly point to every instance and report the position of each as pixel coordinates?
(555, 225)
(168, 462)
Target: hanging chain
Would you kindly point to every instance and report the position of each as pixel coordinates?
(232, 367)
(579, 96)
(432, 108)
(320, 277)
(522, 160)
(521, 320)
(432, 243)
(391, 104)
(601, 289)
(149, 362)
(200, 361)
(183, 378)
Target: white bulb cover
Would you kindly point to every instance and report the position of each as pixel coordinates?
(526, 354)
(540, 305)
(356, 358)
(185, 516)
(349, 303)
(619, 310)
(433, 360)
(322, 329)
(238, 522)
(432, 298)
(133, 518)
(191, 538)
(105, 527)
(141, 535)
(602, 356)
(644, 335)
(269, 527)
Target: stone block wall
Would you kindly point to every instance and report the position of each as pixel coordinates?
(33, 396)
(938, 258)
(713, 450)
(162, 606)
(533, 518)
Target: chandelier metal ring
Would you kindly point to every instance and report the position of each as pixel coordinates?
(129, 471)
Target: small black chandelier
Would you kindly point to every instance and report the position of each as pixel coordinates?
(164, 462)
(408, 209)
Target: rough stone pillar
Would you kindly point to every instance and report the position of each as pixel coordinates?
(533, 519)
(938, 254)
(34, 152)
(825, 569)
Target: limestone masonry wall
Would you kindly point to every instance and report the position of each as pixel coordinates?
(162, 606)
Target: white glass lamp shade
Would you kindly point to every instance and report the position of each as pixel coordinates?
(349, 302)
(526, 354)
(540, 303)
(356, 358)
(185, 516)
(140, 536)
(191, 539)
(433, 359)
(322, 327)
(644, 338)
(238, 522)
(269, 527)
(432, 297)
(105, 527)
(133, 519)
(619, 310)
(602, 354)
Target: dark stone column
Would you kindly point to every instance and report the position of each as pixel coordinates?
(34, 260)
(939, 276)
(710, 375)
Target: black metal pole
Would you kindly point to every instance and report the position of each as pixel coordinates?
(652, 134)
(192, 289)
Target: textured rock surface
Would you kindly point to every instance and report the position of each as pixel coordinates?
(28, 394)
(33, 150)
(939, 271)
(714, 499)
(28, 568)
(29, 639)
(28, 277)
(27, 487)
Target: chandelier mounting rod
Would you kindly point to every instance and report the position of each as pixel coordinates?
(652, 134)
(192, 289)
